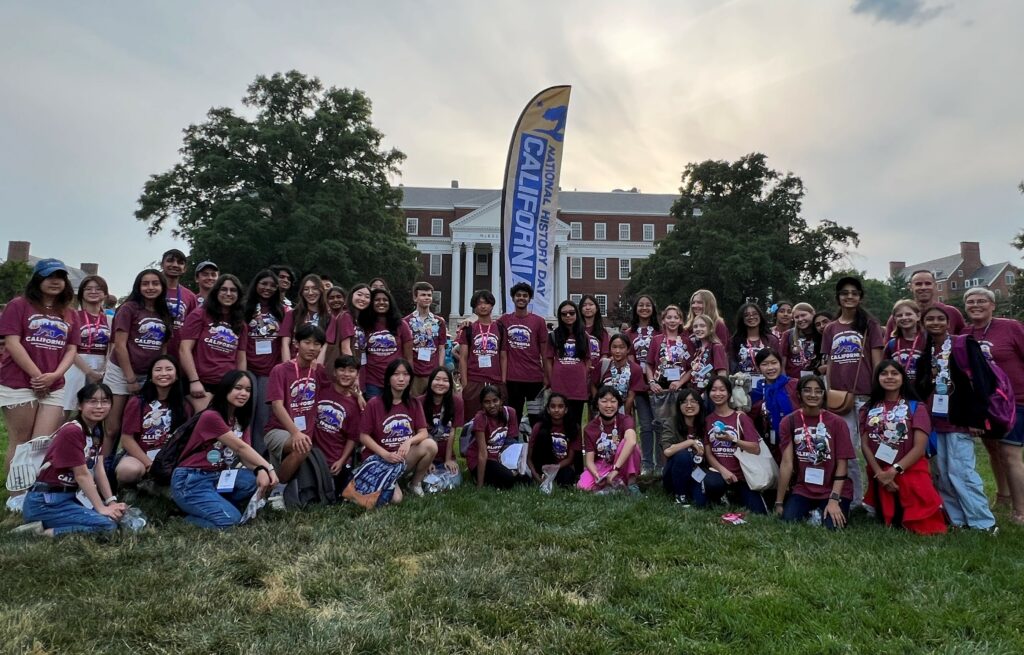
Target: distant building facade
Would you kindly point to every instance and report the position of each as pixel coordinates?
(20, 251)
(955, 274)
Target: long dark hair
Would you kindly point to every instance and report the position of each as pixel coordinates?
(816, 334)
(368, 317)
(219, 403)
(724, 379)
(563, 333)
(447, 400)
(160, 307)
(634, 322)
(487, 390)
(175, 394)
(698, 420)
(598, 321)
(34, 292)
(570, 428)
(84, 394)
(300, 309)
(234, 314)
(878, 393)
(387, 397)
(253, 300)
(739, 337)
(861, 316)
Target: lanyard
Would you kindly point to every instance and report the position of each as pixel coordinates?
(92, 330)
(803, 424)
(484, 342)
(309, 371)
(751, 353)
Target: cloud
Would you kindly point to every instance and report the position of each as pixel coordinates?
(900, 12)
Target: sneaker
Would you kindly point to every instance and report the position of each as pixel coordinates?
(276, 498)
(416, 489)
(33, 528)
(14, 503)
(681, 499)
(992, 532)
(633, 489)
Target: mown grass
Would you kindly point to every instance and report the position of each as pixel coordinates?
(512, 572)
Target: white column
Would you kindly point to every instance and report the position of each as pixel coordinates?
(470, 272)
(563, 276)
(496, 287)
(453, 298)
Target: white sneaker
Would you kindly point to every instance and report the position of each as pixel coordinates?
(33, 528)
(14, 503)
(416, 489)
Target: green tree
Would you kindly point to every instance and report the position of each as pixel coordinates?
(879, 295)
(740, 234)
(1015, 307)
(304, 181)
(13, 278)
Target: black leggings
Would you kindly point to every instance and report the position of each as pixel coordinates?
(496, 475)
(567, 475)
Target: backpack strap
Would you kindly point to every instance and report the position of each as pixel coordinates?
(606, 363)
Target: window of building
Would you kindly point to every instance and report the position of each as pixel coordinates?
(435, 265)
(575, 297)
(435, 304)
(952, 285)
(625, 268)
(600, 230)
(648, 231)
(481, 264)
(437, 227)
(624, 232)
(576, 268)
(412, 226)
(669, 228)
(602, 303)
(600, 268)
(997, 292)
(941, 285)
(960, 273)
(576, 230)
(1009, 278)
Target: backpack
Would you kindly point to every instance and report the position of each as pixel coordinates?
(312, 484)
(28, 461)
(1002, 410)
(172, 452)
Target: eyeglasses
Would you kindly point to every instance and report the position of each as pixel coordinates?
(976, 303)
(228, 290)
(97, 402)
(690, 401)
(850, 293)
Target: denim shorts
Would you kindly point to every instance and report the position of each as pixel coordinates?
(1015, 437)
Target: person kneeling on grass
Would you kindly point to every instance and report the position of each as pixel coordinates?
(555, 441)
(339, 410)
(684, 448)
(444, 411)
(71, 492)
(394, 431)
(815, 445)
(211, 484)
(611, 458)
(491, 436)
(726, 430)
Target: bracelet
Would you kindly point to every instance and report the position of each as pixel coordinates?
(779, 504)
(840, 477)
(257, 470)
(112, 499)
(193, 381)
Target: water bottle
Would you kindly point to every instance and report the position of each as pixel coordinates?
(133, 520)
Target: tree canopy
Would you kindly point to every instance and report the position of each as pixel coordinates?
(740, 234)
(14, 276)
(303, 181)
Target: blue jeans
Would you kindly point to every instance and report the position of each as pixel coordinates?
(798, 507)
(958, 482)
(195, 492)
(64, 514)
(714, 488)
(372, 391)
(677, 476)
(648, 445)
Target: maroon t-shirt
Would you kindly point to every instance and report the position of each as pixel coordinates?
(667, 352)
(206, 452)
(392, 428)
(641, 338)
(721, 331)
(723, 449)
(382, 348)
(428, 339)
(1003, 342)
(216, 345)
(906, 352)
(337, 422)
(497, 434)
(288, 325)
(147, 335)
(263, 350)
(45, 336)
(817, 448)
(744, 360)
(941, 360)
(570, 373)
(600, 344)
(526, 337)
(894, 424)
(181, 302)
(70, 447)
(956, 319)
(625, 378)
(603, 437)
(847, 355)
(440, 431)
(710, 354)
(297, 387)
(562, 448)
(94, 335)
(484, 341)
(798, 352)
(150, 423)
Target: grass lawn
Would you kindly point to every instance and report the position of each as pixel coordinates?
(513, 572)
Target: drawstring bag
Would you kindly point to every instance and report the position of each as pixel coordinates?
(373, 483)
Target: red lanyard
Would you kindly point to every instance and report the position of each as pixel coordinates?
(92, 330)
(803, 424)
(309, 372)
(750, 352)
(485, 333)
(913, 344)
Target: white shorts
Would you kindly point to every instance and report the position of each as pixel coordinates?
(12, 397)
(114, 378)
(74, 379)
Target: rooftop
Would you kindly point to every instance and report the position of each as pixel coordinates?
(570, 202)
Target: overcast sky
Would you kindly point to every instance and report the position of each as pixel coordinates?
(902, 117)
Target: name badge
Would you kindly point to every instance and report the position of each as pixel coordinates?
(804, 374)
(672, 373)
(814, 476)
(424, 354)
(885, 453)
(698, 475)
(226, 481)
(484, 361)
(940, 404)
(300, 422)
(704, 370)
(362, 359)
(264, 346)
(756, 382)
(83, 499)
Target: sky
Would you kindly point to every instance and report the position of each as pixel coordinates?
(902, 117)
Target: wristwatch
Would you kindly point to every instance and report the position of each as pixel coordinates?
(834, 496)
(899, 469)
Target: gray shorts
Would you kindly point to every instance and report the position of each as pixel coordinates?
(275, 441)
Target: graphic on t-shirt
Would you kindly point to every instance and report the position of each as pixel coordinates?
(497, 438)
(330, 416)
(559, 445)
(152, 333)
(264, 326)
(222, 338)
(47, 332)
(801, 351)
(519, 337)
(811, 445)
(569, 357)
(382, 344)
(440, 431)
(889, 427)
(721, 439)
(99, 336)
(92, 451)
(595, 347)
(846, 347)
(397, 428)
(177, 308)
(156, 425)
(485, 343)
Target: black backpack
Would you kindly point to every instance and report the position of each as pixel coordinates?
(172, 452)
(312, 484)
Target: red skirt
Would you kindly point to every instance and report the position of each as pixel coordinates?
(917, 501)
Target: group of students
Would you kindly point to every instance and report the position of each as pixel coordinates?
(263, 381)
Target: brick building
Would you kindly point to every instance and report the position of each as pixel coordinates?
(955, 274)
(598, 237)
(19, 251)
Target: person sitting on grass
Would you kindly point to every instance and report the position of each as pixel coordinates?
(73, 470)
(219, 470)
(611, 458)
(727, 429)
(776, 398)
(815, 446)
(339, 410)
(150, 417)
(684, 448)
(443, 410)
(555, 441)
(494, 429)
(394, 432)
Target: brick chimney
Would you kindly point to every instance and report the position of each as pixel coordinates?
(896, 267)
(17, 251)
(89, 268)
(970, 252)
(455, 184)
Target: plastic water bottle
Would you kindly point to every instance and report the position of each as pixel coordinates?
(133, 520)
(815, 518)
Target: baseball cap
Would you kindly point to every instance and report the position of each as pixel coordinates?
(47, 267)
(203, 265)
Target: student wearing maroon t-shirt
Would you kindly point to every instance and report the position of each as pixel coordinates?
(73, 470)
(214, 340)
(800, 346)
(150, 417)
(708, 357)
(751, 337)
(621, 372)
(783, 319)
(611, 460)
(344, 329)
(94, 326)
(726, 430)
(683, 448)
(207, 274)
(339, 410)
(567, 359)
(264, 315)
(483, 353)
(894, 428)
(1002, 341)
(777, 399)
(905, 342)
(643, 327)
(495, 428)
(593, 324)
(180, 299)
(669, 359)
(388, 338)
(816, 448)
(310, 307)
(445, 413)
(526, 333)
(142, 329)
(429, 334)
(555, 441)
(42, 337)
(703, 303)
(922, 287)
(219, 470)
